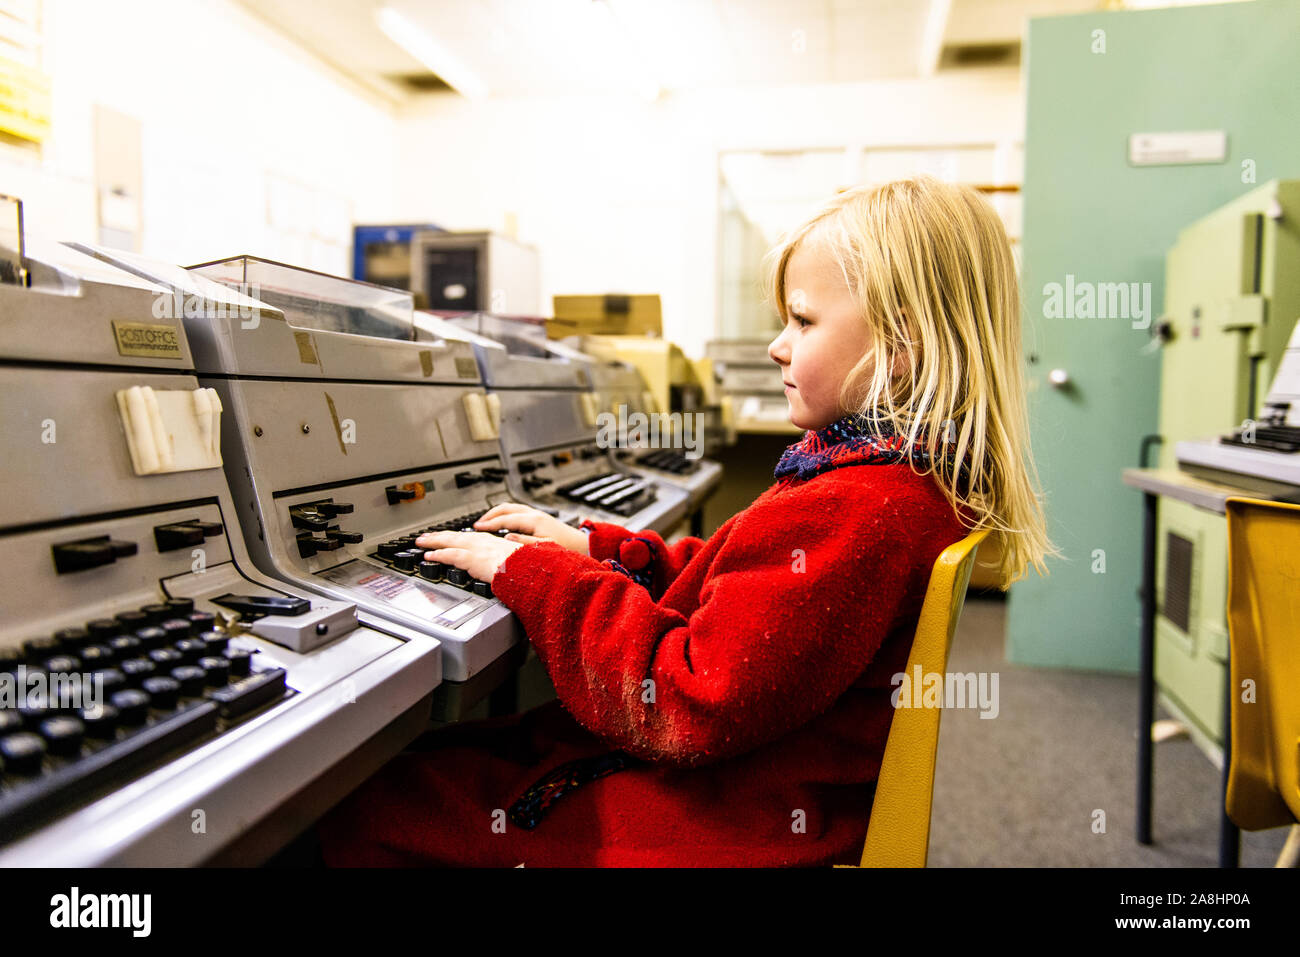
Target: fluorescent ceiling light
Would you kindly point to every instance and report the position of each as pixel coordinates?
(415, 41)
(932, 40)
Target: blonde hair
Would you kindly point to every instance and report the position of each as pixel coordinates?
(931, 268)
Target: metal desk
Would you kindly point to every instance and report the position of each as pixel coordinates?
(1210, 495)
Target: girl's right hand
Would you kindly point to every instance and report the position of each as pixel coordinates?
(534, 524)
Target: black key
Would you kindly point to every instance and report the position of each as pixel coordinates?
(241, 662)
(179, 607)
(62, 664)
(457, 576)
(41, 647)
(100, 722)
(163, 692)
(34, 714)
(132, 706)
(102, 629)
(22, 752)
(133, 619)
(96, 657)
(482, 589)
(214, 642)
(216, 670)
(244, 695)
(191, 649)
(63, 736)
(153, 637)
(137, 670)
(47, 795)
(111, 680)
(201, 621)
(156, 613)
(10, 721)
(166, 657)
(128, 646)
(191, 679)
(175, 629)
(72, 639)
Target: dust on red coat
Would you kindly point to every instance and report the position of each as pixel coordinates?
(752, 677)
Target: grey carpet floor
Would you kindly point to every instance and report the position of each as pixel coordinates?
(1023, 789)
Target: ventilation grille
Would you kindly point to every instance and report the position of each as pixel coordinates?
(1178, 580)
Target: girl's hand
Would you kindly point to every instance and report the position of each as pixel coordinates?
(478, 553)
(536, 525)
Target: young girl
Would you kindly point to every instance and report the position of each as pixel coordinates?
(727, 702)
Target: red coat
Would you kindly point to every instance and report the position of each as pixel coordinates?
(771, 649)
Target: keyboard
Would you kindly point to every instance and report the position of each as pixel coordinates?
(104, 700)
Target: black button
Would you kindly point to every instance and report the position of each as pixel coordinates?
(405, 561)
(40, 647)
(111, 680)
(100, 722)
(191, 679)
(156, 613)
(72, 639)
(151, 637)
(96, 657)
(132, 706)
(241, 661)
(191, 649)
(214, 642)
(179, 607)
(137, 670)
(101, 629)
(431, 570)
(62, 664)
(482, 589)
(10, 721)
(457, 576)
(166, 657)
(127, 646)
(175, 629)
(216, 670)
(163, 692)
(201, 621)
(133, 619)
(63, 735)
(22, 752)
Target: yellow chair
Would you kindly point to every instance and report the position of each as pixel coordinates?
(898, 834)
(1263, 612)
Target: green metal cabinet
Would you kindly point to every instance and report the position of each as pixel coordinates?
(1232, 298)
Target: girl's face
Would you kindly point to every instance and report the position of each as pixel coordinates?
(823, 339)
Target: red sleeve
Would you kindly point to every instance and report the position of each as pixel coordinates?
(800, 598)
(644, 553)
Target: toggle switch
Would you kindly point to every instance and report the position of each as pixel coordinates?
(90, 553)
(465, 479)
(494, 474)
(309, 518)
(396, 494)
(348, 538)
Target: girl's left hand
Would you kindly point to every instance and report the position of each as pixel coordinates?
(478, 553)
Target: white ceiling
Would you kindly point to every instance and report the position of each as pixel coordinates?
(558, 47)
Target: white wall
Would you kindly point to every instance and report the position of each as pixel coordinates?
(249, 144)
(620, 195)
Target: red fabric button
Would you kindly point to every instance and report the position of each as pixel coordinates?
(634, 554)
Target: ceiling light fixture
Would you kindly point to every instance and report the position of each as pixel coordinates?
(415, 41)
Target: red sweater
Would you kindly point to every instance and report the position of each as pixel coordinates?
(750, 675)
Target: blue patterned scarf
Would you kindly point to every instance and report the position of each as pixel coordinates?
(849, 441)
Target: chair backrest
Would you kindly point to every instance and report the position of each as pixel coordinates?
(898, 833)
(1264, 640)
